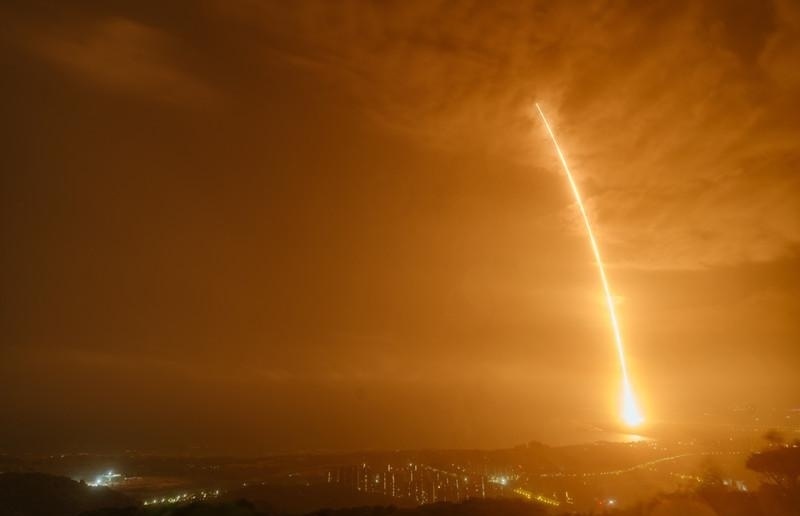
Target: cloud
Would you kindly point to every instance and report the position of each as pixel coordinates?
(126, 56)
(681, 126)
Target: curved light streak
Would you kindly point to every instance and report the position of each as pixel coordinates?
(630, 410)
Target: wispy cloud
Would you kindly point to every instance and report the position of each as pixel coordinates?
(122, 55)
(682, 128)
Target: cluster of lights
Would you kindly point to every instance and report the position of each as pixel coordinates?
(502, 480)
(106, 479)
(183, 497)
(421, 482)
(528, 495)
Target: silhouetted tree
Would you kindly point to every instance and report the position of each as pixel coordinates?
(712, 475)
(39, 494)
(780, 466)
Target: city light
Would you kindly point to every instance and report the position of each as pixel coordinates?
(183, 498)
(106, 479)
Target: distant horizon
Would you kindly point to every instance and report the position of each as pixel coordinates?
(579, 435)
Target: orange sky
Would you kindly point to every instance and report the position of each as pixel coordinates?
(266, 226)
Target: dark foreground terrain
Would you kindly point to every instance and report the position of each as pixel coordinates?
(245, 508)
(39, 494)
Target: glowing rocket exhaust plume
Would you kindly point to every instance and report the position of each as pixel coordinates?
(630, 411)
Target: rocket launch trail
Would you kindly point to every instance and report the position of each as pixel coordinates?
(630, 410)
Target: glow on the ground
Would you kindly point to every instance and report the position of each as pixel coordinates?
(630, 413)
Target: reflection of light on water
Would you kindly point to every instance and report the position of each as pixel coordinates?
(621, 438)
(610, 436)
(572, 432)
(636, 438)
